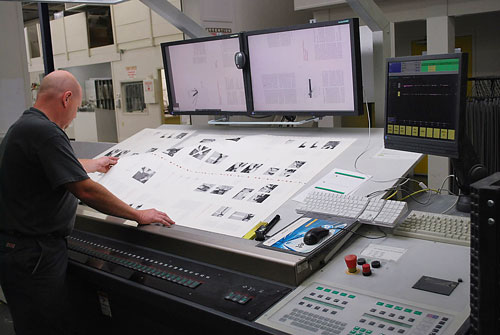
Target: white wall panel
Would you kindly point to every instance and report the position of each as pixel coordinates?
(76, 32)
(58, 36)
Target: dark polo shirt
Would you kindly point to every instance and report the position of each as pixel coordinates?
(36, 160)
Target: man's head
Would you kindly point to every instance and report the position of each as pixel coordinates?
(59, 97)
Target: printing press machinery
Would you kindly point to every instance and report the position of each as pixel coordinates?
(151, 278)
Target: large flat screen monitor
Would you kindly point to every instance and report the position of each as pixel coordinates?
(202, 77)
(425, 103)
(310, 69)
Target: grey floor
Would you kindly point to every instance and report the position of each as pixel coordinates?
(6, 327)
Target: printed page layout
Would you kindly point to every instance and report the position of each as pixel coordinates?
(219, 183)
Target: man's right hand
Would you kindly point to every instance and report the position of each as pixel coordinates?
(149, 216)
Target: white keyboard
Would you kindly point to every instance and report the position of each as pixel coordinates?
(375, 211)
(436, 227)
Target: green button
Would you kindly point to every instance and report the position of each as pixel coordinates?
(389, 305)
(417, 313)
(319, 288)
(380, 303)
(356, 328)
(335, 292)
(351, 296)
(362, 330)
(343, 294)
(407, 310)
(352, 332)
(398, 308)
(369, 332)
(327, 290)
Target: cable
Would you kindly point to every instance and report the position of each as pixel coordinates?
(369, 134)
(453, 205)
(368, 237)
(419, 191)
(444, 181)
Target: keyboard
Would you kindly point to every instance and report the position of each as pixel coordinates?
(436, 227)
(369, 211)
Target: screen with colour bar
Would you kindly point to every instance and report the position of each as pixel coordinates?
(202, 77)
(425, 103)
(309, 69)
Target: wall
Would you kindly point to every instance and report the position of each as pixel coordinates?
(407, 10)
(147, 62)
(243, 15)
(84, 72)
(482, 27)
(14, 78)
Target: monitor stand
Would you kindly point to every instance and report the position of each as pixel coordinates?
(225, 121)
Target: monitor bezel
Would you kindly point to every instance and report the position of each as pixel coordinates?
(356, 70)
(430, 146)
(169, 79)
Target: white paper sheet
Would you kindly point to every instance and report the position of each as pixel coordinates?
(338, 181)
(222, 184)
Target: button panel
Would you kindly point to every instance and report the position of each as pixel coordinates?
(362, 314)
(225, 291)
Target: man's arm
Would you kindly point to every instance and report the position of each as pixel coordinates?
(102, 164)
(98, 197)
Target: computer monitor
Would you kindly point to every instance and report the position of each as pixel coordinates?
(202, 78)
(425, 103)
(312, 69)
(425, 113)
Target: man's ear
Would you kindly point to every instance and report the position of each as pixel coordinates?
(66, 97)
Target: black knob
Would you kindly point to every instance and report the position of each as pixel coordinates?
(361, 261)
(375, 264)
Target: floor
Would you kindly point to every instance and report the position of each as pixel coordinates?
(6, 327)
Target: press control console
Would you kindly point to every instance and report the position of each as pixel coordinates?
(226, 291)
(328, 310)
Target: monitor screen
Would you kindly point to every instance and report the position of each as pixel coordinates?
(202, 77)
(425, 103)
(309, 69)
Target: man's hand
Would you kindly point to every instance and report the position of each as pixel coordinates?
(149, 216)
(102, 164)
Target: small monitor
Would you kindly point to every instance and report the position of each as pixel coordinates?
(425, 103)
(202, 77)
(312, 69)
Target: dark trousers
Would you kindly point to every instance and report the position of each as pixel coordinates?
(32, 276)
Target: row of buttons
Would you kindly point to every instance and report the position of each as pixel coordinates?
(382, 325)
(400, 317)
(399, 308)
(344, 302)
(237, 297)
(72, 246)
(325, 310)
(184, 281)
(327, 290)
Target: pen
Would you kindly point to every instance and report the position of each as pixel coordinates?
(260, 234)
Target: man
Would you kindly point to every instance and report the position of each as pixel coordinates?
(40, 179)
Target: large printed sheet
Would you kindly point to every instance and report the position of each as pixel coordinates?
(219, 183)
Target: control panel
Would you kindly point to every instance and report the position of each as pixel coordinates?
(321, 309)
(227, 291)
(392, 285)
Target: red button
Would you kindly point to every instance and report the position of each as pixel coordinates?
(350, 261)
(366, 270)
